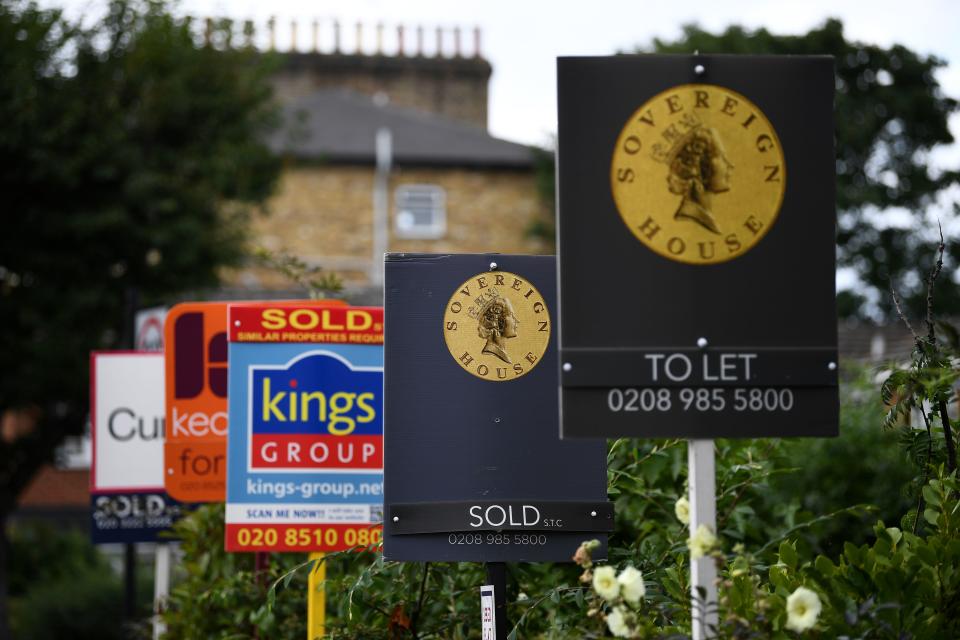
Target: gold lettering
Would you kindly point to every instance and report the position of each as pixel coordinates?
(647, 117)
(673, 103)
(632, 145)
(773, 173)
(482, 282)
(748, 121)
(733, 243)
(728, 106)
(764, 143)
(498, 280)
(703, 249)
(456, 307)
(530, 357)
(649, 228)
(516, 284)
(753, 224)
(702, 99)
(466, 359)
(451, 325)
(676, 246)
(625, 175)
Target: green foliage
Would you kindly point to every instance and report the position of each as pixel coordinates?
(900, 586)
(218, 595)
(544, 228)
(890, 113)
(864, 465)
(130, 162)
(61, 587)
(311, 277)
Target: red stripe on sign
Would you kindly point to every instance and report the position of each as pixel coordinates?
(305, 451)
(302, 537)
(315, 323)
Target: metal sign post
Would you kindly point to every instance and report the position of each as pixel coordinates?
(690, 188)
(316, 598)
(474, 470)
(703, 511)
(497, 582)
(161, 587)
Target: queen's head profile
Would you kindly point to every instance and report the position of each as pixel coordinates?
(496, 323)
(698, 169)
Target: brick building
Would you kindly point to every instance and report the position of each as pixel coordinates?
(451, 187)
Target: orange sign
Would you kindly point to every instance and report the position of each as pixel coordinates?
(195, 464)
(195, 339)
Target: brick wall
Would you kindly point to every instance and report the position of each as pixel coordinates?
(323, 214)
(454, 88)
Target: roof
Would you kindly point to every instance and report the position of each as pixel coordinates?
(875, 344)
(340, 126)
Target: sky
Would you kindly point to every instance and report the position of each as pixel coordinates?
(522, 39)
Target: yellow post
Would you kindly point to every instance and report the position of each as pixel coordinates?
(316, 598)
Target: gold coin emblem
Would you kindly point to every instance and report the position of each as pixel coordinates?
(497, 326)
(698, 174)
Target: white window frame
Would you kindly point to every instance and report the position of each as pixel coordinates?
(438, 226)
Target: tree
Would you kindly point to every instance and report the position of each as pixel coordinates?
(131, 158)
(890, 114)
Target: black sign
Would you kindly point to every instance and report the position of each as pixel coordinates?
(697, 231)
(474, 469)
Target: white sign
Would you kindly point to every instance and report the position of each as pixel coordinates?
(127, 416)
(488, 613)
(148, 333)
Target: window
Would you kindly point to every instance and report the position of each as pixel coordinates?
(421, 211)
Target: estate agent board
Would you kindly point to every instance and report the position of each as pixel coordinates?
(305, 441)
(127, 499)
(696, 240)
(474, 468)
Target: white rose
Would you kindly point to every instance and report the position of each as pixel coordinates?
(617, 622)
(631, 585)
(605, 583)
(803, 609)
(682, 510)
(702, 542)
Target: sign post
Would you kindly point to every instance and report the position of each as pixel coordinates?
(474, 470)
(128, 501)
(701, 465)
(696, 230)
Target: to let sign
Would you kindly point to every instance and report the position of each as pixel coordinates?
(697, 230)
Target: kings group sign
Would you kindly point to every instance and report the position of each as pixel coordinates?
(305, 444)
